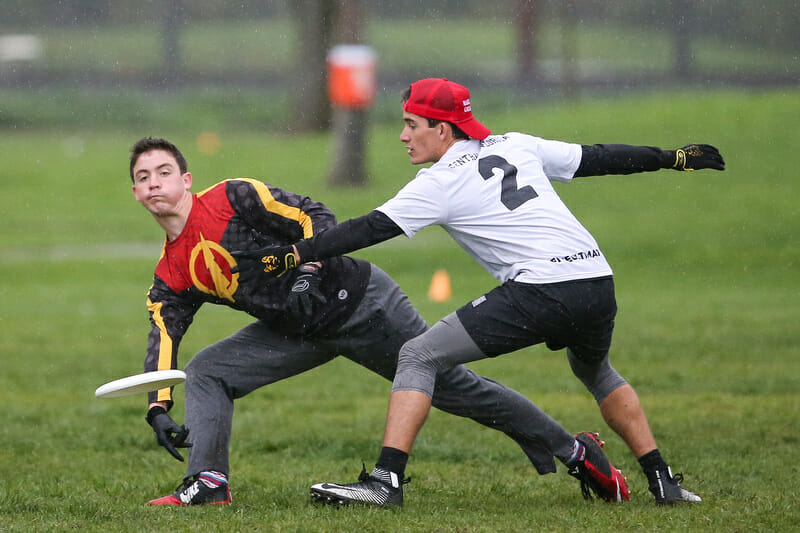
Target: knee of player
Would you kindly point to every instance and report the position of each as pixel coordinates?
(197, 369)
(416, 353)
(599, 377)
(189, 369)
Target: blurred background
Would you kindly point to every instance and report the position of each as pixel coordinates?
(262, 65)
(706, 262)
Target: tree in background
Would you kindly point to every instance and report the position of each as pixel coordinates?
(313, 22)
(349, 128)
(527, 24)
(171, 27)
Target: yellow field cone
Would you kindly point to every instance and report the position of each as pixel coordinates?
(440, 290)
(208, 143)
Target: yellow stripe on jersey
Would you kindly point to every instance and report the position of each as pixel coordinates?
(165, 346)
(286, 211)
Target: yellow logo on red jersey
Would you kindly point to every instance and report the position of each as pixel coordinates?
(210, 267)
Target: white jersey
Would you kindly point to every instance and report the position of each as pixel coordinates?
(495, 199)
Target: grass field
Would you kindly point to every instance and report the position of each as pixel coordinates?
(269, 45)
(707, 281)
(127, 55)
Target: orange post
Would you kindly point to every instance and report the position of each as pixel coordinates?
(352, 82)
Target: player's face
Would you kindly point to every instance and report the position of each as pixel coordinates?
(424, 144)
(159, 185)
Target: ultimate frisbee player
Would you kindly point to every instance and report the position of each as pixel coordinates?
(493, 195)
(340, 306)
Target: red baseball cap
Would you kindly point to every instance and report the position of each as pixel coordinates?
(442, 99)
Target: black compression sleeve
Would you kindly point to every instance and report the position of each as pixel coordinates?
(349, 236)
(602, 159)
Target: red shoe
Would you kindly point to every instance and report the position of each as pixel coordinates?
(193, 491)
(596, 473)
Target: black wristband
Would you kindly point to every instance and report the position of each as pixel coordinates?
(154, 412)
(669, 158)
(305, 250)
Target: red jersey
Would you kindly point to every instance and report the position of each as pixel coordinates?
(195, 268)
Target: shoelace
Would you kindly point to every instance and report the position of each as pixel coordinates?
(586, 489)
(186, 483)
(363, 476)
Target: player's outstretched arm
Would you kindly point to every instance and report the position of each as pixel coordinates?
(602, 159)
(349, 236)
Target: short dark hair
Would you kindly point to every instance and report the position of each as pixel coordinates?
(148, 144)
(458, 133)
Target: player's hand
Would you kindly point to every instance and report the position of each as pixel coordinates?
(305, 291)
(698, 156)
(168, 434)
(270, 262)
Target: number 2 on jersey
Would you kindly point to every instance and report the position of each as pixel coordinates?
(510, 195)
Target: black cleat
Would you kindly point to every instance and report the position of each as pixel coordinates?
(193, 491)
(667, 488)
(380, 488)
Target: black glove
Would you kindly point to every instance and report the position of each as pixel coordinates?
(697, 156)
(164, 427)
(270, 262)
(305, 291)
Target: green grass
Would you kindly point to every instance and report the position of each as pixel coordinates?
(707, 280)
(269, 46)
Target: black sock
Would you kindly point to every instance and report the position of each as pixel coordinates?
(652, 461)
(393, 460)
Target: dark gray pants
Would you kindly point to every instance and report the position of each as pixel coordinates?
(257, 355)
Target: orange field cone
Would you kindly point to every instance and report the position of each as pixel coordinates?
(440, 290)
(208, 143)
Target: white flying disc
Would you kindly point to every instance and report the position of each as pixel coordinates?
(147, 382)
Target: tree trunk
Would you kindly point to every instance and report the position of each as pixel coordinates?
(314, 21)
(680, 39)
(349, 131)
(171, 38)
(348, 158)
(527, 51)
(350, 21)
(569, 49)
